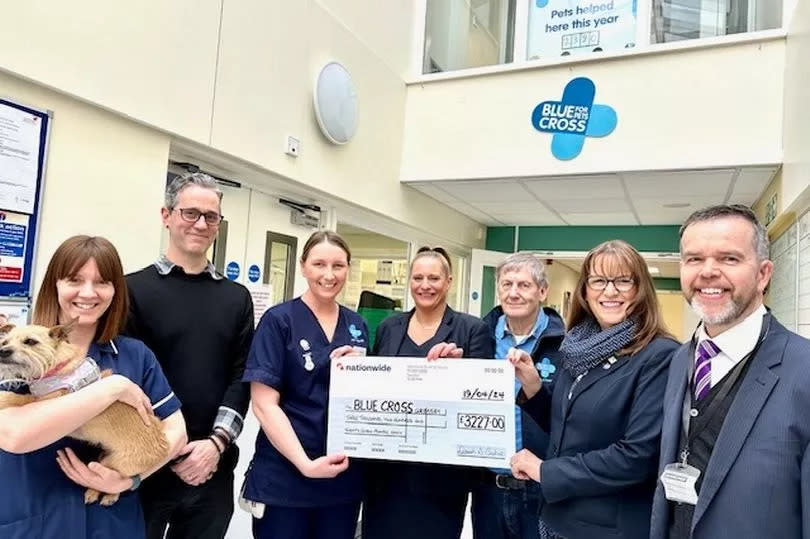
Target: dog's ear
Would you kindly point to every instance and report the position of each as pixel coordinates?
(5, 329)
(60, 333)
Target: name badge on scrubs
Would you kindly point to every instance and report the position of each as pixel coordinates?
(308, 363)
(679, 483)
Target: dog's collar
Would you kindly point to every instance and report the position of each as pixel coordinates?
(85, 374)
(56, 368)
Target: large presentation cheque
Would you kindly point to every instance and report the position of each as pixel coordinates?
(452, 411)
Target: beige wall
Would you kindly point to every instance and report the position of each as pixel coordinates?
(670, 304)
(674, 110)
(774, 186)
(105, 176)
(561, 279)
(238, 75)
(796, 169)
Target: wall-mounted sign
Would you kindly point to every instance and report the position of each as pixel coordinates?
(571, 27)
(254, 273)
(573, 118)
(23, 141)
(770, 210)
(232, 270)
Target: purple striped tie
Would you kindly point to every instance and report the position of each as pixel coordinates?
(703, 368)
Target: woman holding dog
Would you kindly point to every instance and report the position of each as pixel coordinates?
(297, 490)
(83, 292)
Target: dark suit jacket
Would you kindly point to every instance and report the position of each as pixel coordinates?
(599, 476)
(469, 333)
(757, 483)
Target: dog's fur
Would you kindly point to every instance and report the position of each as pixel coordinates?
(129, 446)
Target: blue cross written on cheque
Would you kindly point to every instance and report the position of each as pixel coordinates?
(546, 368)
(573, 118)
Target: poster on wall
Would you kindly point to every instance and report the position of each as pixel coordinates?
(573, 27)
(13, 230)
(19, 158)
(23, 144)
(262, 296)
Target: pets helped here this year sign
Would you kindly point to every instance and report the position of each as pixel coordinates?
(569, 27)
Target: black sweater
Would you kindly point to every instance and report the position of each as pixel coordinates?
(200, 331)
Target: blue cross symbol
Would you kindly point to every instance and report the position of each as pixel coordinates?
(573, 118)
(546, 368)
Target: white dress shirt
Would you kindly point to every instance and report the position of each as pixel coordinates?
(734, 343)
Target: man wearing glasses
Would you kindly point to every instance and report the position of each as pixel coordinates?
(199, 325)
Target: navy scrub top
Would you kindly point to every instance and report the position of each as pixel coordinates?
(278, 359)
(37, 500)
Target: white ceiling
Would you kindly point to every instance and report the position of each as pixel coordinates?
(626, 198)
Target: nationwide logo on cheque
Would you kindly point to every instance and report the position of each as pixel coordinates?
(573, 118)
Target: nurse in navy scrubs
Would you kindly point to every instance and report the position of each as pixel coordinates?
(303, 492)
(416, 500)
(43, 480)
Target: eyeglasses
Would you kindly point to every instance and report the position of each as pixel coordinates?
(622, 284)
(192, 215)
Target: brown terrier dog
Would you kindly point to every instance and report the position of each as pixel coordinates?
(43, 358)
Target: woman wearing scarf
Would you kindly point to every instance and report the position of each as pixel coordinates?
(604, 414)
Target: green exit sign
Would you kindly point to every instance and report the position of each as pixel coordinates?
(770, 210)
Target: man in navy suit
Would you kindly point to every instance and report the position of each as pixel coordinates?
(734, 446)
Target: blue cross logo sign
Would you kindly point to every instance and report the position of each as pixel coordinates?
(573, 118)
(546, 368)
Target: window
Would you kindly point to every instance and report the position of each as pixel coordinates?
(579, 27)
(468, 33)
(675, 20)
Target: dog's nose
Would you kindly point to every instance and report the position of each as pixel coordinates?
(6, 352)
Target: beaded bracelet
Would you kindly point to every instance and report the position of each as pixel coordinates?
(214, 441)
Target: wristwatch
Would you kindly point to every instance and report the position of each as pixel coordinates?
(136, 481)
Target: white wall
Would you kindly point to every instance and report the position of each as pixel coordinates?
(796, 168)
(258, 105)
(238, 75)
(105, 176)
(152, 60)
(695, 108)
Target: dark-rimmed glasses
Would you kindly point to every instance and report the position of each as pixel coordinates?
(622, 283)
(192, 215)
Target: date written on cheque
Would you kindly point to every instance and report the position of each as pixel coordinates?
(494, 423)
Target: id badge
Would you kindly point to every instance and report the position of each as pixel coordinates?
(254, 508)
(679, 483)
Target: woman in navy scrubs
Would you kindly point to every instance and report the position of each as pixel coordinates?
(416, 500)
(302, 492)
(43, 479)
(604, 413)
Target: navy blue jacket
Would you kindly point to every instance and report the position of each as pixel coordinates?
(547, 347)
(757, 483)
(599, 476)
(467, 332)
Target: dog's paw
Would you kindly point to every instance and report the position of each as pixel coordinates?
(91, 496)
(108, 499)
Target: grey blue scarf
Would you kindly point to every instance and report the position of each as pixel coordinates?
(586, 345)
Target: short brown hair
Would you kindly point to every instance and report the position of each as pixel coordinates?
(66, 262)
(325, 236)
(761, 243)
(645, 305)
